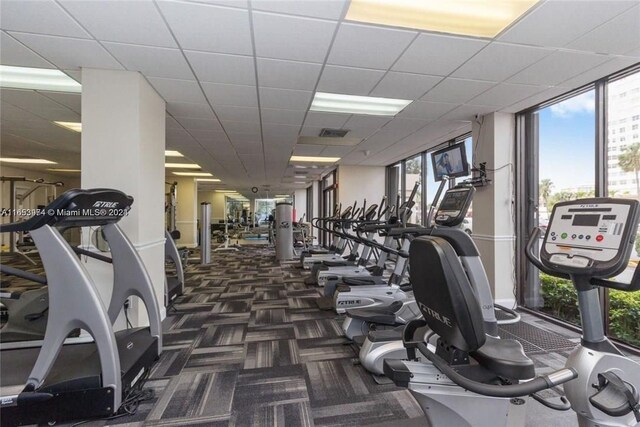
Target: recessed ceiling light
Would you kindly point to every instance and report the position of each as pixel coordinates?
(227, 191)
(74, 126)
(182, 165)
(37, 79)
(172, 153)
(207, 180)
(299, 182)
(316, 159)
(194, 174)
(351, 104)
(26, 161)
(282, 196)
(485, 18)
(64, 170)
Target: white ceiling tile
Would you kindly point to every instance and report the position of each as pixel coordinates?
(293, 38)
(222, 68)
(12, 52)
(250, 149)
(368, 46)
(467, 112)
(336, 150)
(407, 125)
(208, 134)
(366, 122)
(287, 74)
(69, 100)
(191, 123)
(556, 23)
(558, 67)
(284, 117)
(285, 98)
(242, 130)
(499, 61)
(404, 85)
(437, 55)
(225, 94)
(173, 90)
(347, 80)
(536, 99)
(237, 114)
(171, 123)
(230, 3)
(603, 70)
(69, 53)
(125, 21)
(326, 120)
(189, 110)
(209, 28)
(277, 129)
(456, 90)
(327, 9)
(311, 130)
(308, 150)
(152, 61)
(506, 94)
(39, 17)
(425, 110)
(618, 36)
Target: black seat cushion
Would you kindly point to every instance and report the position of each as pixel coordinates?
(505, 358)
(443, 293)
(336, 263)
(380, 315)
(363, 281)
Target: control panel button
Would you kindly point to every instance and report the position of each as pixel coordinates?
(553, 233)
(599, 238)
(587, 237)
(573, 236)
(553, 238)
(580, 236)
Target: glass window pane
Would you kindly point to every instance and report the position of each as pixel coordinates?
(413, 173)
(566, 171)
(623, 166)
(467, 224)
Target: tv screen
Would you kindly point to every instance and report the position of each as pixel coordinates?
(450, 161)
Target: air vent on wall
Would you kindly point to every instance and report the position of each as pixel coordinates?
(333, 133)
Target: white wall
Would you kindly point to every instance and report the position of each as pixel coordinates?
(187, 211)
(301, 205)
(359, 183)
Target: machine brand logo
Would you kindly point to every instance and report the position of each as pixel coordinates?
(284, 224)
(101, 204)
(129, 345)
(439, 317)
(349, 302)
(589, 206)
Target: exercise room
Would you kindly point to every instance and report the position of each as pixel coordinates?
(310, 213)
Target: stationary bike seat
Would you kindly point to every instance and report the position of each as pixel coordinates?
(506, 358)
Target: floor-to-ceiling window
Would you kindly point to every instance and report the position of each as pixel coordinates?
(585, 144)
(623, 168)
(329, 200)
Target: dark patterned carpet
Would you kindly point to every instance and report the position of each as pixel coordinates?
(249, 347)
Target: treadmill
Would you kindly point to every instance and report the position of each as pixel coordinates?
(59, 382)
(174, 283)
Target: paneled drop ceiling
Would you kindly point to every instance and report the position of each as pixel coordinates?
(239, 76)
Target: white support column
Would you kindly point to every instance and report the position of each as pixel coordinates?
(493, 205)
(187, 211)
(123, 142)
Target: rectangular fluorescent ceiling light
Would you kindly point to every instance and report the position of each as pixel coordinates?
(197, 174)
(485, 18)
(315, 159)
(227, 191)
(64, 170)
(172, 153)
(351, 104)
(282, 195)
(208, 180)
(182, 165)
(26, 161)
(37, 79)
(76, 127)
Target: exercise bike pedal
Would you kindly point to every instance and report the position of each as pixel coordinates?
(615, 397)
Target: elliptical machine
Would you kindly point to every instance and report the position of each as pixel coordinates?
(472, 379)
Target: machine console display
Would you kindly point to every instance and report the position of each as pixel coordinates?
(590, 235)
(454, 206)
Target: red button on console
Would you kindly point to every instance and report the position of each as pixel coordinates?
(599, 237)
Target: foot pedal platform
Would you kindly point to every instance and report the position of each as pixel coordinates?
(615, 397)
